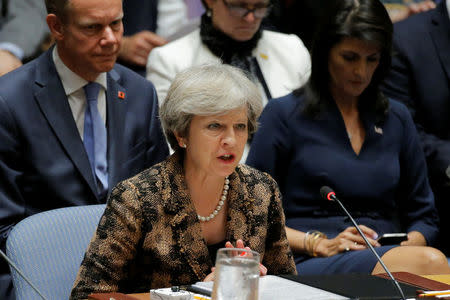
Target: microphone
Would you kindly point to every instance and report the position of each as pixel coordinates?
(12, 264)
(328, 194)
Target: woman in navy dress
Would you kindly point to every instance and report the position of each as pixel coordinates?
(341, 131)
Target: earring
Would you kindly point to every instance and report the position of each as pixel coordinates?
(183, 145)
(208, 13)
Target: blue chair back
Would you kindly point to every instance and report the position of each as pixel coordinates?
(48, 248)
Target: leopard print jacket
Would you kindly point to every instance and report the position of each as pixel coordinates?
(149, 235)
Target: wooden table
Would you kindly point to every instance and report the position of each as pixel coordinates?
(441, 278)
(141, 296)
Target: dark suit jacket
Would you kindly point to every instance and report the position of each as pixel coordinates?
(420, 78)
(300, 17)
(43, 163)
(139, 15)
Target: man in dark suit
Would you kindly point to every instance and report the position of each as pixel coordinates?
(420, 78)
(50, 150)
(25, 31)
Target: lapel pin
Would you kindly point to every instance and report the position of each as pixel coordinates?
(378, 130)
(263, 56)
(121, 95)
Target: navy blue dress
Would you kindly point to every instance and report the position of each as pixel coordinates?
(385, 187)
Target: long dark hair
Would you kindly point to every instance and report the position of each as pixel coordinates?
(366, 20)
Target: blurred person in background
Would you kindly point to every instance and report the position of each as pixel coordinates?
(23, 32)
(341, 131)
(230, 33)
(419, 78)
(301, 17)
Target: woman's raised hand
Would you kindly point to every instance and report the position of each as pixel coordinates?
(240, 244)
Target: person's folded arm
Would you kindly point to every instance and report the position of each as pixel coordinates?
(347, 240)
(136, 48)
(8, 61)
(26, 27)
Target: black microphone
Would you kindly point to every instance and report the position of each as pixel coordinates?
(12, 264)
(328, 194)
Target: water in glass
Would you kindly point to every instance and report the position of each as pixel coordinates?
(237, 276)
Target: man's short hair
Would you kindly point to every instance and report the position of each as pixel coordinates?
(58, 8)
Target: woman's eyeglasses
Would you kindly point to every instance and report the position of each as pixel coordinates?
(238, 10)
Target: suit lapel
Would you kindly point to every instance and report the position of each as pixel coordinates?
(440, 34)
(116, 102)
(240, 214)
(261, 54)
(187, 233)
(52, 100)
(186, 229)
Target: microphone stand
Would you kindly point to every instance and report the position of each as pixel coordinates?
(397, 286)
(10, 262)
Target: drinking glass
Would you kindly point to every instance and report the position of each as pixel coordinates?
(237, 275)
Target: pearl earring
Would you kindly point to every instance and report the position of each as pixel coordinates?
(183, 145)
(208, 13)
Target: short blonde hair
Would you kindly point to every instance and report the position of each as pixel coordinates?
(208, 90)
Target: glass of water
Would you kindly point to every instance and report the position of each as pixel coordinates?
(237, 275)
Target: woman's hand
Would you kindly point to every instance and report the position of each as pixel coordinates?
(415, 8)
(415, 238)
(347, 240)
(240, 244)
(210, 276)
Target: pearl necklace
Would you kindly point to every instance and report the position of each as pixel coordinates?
(219, 205)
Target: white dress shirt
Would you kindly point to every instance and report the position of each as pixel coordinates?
(73, 86)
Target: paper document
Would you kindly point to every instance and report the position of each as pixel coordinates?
(274, 287)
